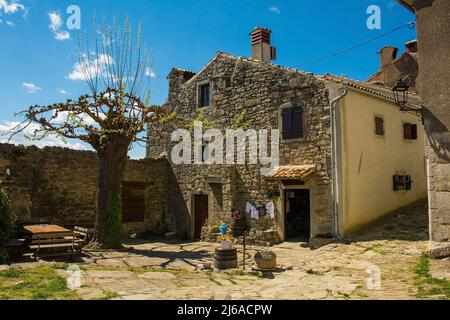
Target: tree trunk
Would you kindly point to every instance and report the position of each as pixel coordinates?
(113, 158)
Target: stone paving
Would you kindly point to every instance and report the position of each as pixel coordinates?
(337, 271)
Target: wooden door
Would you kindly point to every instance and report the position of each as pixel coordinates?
(133, 202)
(200, 214)
(297, 212)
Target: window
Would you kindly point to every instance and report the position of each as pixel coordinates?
(402, 183)
(410, 131)
(204, 95)
(379, 126)
(292, 123)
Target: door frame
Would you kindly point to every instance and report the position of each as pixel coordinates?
(191, 208)
(281, 222)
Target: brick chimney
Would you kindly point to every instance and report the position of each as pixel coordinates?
(261, 46)
(411, 46)
(387, 54)
(177, 77)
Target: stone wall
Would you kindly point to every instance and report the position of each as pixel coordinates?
(259, 89)
(57, 185)
(433, 27)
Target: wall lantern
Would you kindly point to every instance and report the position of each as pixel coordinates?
(400, 91)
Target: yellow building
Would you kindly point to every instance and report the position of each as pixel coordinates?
(380, 164)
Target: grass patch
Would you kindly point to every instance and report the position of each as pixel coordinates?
(211, 278)
(427, 285)
(315, 272)
(109, 295)
(34, 284)
(137, 270)
(242, 273)
(344, 295)
(378, 249)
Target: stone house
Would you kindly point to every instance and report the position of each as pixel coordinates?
(347, 155)
(433, 32)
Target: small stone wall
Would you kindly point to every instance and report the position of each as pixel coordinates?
(58, 185)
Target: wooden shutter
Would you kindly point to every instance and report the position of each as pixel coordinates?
(133, 202)
(410, 131)
(297, 123)
(287, 123)
(379, 126)
(407, 131)
(414, 132)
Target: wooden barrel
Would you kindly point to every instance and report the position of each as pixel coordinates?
(225, 259)
(238, 224)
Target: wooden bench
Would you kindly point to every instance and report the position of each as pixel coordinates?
(54, 244)
(82, 236)
(14, 247)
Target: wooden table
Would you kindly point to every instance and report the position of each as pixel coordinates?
(45, 229)
(50, 240)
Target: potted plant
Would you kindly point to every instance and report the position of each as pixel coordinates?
(225, 237)
(273, 191)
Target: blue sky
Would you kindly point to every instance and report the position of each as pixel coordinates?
(37, 57)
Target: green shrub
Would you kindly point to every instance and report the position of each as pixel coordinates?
(4, 258)
(7, 218)
(112, 223)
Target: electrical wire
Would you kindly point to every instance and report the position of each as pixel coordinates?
(411, 25)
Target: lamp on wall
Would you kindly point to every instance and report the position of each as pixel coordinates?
(401, 92)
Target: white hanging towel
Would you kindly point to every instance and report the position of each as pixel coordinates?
(254, 213)
(271, 210)
(248, 207)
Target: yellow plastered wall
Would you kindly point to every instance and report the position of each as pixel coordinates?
(368, 162)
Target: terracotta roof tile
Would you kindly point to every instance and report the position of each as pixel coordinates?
(291, 172)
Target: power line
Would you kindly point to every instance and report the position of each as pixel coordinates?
(411, 25)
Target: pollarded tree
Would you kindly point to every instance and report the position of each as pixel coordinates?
(111, 118)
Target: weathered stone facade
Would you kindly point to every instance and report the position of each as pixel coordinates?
(57, 185)
(260, 90)
(433, 29)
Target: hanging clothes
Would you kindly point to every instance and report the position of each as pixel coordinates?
(254, 213)
(271, 210)
(248, 208)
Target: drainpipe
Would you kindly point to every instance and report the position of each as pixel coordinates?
(334, 209)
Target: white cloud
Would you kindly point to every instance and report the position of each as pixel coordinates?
(10, 23)
(150, 73)
(49, 141)
(10, 7)
(90, 68)
(62, 91)
(62, 35)
(55, 21)
(31, 87)
(275, 10)
(55, 25)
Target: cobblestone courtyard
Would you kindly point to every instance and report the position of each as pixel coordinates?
(337, 271)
